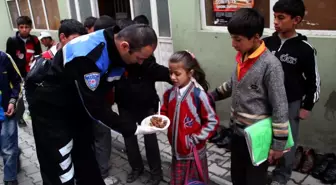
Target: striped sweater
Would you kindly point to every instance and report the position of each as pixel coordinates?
(258, 95)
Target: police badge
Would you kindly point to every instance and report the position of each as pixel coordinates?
(92, 80)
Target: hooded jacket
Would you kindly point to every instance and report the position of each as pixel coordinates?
(298, 58)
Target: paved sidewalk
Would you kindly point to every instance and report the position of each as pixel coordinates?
(218, 161)
(30, 173)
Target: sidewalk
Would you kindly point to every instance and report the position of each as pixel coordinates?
(218, 161)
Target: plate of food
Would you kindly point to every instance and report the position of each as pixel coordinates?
(159, 122)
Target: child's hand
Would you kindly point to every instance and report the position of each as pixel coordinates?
(274, 155)
(10, 110)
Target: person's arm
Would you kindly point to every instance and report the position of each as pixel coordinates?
(15, 81)
(209, 119)
(91, 91)
(312, 82)
(10, 48)
(164, 107)
(222, 92)
(274, 81)
(38, 48)
(159, 72)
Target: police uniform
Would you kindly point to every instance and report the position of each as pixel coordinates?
(64, 105)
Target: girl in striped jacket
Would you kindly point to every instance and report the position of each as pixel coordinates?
(193, 119)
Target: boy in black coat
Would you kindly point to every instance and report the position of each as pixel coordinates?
(137, 98)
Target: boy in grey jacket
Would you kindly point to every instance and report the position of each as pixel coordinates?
(257, 90)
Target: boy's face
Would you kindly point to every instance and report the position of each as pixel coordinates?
(24, 30)
(284, 22)
(242, 44)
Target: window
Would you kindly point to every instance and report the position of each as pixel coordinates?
(44, 13)
(13, 11)
(217, 13)
(81, 9)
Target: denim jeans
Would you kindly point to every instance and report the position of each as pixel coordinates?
(9, 148)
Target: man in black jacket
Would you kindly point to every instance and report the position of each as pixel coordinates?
(73, 94)
(137, 98)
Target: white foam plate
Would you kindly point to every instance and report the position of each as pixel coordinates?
(146, 122)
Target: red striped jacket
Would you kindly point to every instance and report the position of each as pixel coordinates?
(189, 123)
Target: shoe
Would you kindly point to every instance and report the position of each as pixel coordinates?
(134, 175)
(321, 166)
(154, 181)
(329, 176)
(110, 180)
(276, 183)
(226, 139)
(308, 162)
(11, 182)
(297, 163)
(216, 137)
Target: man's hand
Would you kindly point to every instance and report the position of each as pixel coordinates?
(144, 129)
(274, 155)
(304, 114)
(10, 110)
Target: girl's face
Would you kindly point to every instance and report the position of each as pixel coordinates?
(179, 75)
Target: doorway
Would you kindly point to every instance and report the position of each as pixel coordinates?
(158, 14)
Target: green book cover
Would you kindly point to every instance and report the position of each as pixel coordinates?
(259, 139)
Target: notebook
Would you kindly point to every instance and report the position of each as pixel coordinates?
(259, 139)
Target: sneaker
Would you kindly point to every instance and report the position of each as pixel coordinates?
(110, 180)
(11, 182)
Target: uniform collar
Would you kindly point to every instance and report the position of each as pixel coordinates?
(113, 52)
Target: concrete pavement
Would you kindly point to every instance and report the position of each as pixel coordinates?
(218, 161)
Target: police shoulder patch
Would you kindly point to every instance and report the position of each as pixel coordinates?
(92, 80)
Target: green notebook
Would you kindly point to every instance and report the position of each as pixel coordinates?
(259, 139)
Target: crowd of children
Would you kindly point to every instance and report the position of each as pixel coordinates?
(275, 77)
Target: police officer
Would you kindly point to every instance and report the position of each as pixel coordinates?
(72, 95)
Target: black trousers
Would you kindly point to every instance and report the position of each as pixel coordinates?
(65, 149)
(242, 170)
(151, 145)
(103, 147)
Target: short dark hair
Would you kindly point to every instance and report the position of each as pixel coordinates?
(141, 19)
(104, 22)
(71, 26)
(123, 23)
(246, 22)
(138, 36)
(24, 20)
(291, 7)
(89, 22)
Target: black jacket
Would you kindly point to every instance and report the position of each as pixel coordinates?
(298, 58)
(65, 97)
(22, 52)
(136, 88)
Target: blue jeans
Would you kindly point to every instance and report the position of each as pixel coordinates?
(9, 148)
